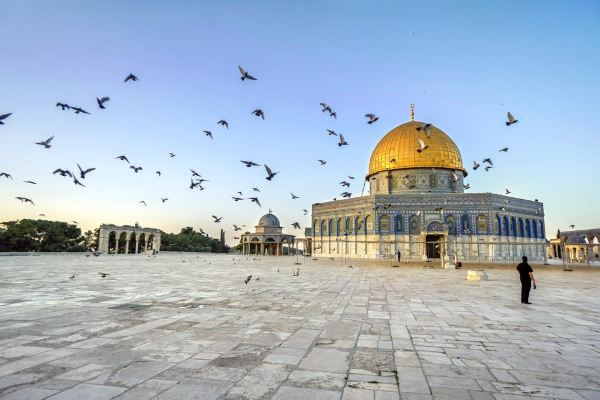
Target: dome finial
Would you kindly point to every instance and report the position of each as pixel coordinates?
(412, 112)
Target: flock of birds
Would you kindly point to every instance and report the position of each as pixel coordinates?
(196, 180)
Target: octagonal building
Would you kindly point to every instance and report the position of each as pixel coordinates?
(418, 206)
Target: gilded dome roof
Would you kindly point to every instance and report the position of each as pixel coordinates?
(398, 150)
(269, 220)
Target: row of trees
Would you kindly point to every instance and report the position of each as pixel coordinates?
(46, 236)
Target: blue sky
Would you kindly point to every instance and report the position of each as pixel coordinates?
(464, 64)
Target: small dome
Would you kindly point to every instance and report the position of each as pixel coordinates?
(269, 220)
(398, 150)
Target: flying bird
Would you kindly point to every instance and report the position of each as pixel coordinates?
(217, 219)
(245, 74)
(164, 199)
(323, 162)
(122, 158)
(249, 163)
(46, 143)
(475, 165)
(223, 123)
(467, 186)
(333, 114)
(171, 155)
(103, 274)
(342, 141)
(143, 202)
(270, 174)
(76, 182)
(3, 117)
(79, 110)
(508, 192)
(237, 198)
(136, 169)
(326, 107)
(62, 172)
(296, 225)
(236, 228)
(131, 77)
(64, 106)
(305, 211)
(256, 189)
(372, 118)
(6, 175)
(25, 200)
(331, 133)
(488, 160)
(248, 279)
(158, 173)
(422, 145)
(101, 102)
(208, 133)
(426, 128)
(503, 150)
(511, 119)
(194, 173)
(83, 173)
(32, 182)
(571, 226)
(259, 113)
(294, 197)
(255, 200)
(350, 177)
(345, 183)
(488, 168)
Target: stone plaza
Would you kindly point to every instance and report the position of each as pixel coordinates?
(185, 326)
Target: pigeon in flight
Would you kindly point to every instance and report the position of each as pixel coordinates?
(422, 146)
(508, 192)
(249, 163)
(345, 183)
(296, 225)
(426, 128)
(259, 113)
(372, 118)
(346, 195)
(571, 226)
(46, 143)
(136, 169)
(503, 150)
(76, 182)
(63, 172)
(342, 141)
(236, 198)
(3, 117)
(103, 274)
(488, 168)
(305, 211)
(101, 102)
(333, 114)
(223, 123)
(270, 174)
(294, 197)
(79, 110)
(350, 177)
(488, 160)
(323, 162)
(236, 228)
(171, 155)
(32, 182)
(143, 202)
(83, 173)
(248, 279)
(131, 77)
(256, 189)
(326, 107)
(467, 186)
(208, 133)
(245, 74)
(64, 106)
(122, 158)
(255, 200)
(158, 173)
(164, 199)
(217, 219)
(25, 200)
(194, 173)
(331, 133)
(511, 119)
(476, 165)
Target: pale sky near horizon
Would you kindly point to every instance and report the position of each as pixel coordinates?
(464, 64)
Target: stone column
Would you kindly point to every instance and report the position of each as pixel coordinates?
(137, 243)
(117, 236)
(262, 249)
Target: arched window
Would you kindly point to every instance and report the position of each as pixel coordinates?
(348, 226)
(337, 226)
(506, 226)
(384, 224)
(368, 224)
(535, 229)
(513, 226)
(542, 229)
(398, 223)
(315, 228)
(521, 228)
(358, 225)
(323, 228)
(451, 224)
(465, 221)
(482, 224)
(528, 228)
(414, 226)
(499, 227)
(330, 227)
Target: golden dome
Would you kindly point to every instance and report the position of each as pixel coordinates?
(398, 150)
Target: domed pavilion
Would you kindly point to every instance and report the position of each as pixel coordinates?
(417, 206)
(268, 238)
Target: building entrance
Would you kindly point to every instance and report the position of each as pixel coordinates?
(432, 246)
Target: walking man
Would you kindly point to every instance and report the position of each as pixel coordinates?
(526, 275)
(398, 255)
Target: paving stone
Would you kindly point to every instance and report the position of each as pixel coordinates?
(294, 393)
(195, 389)
(89, 392)
(29, 393)
(138, 372)
(317, 379)
(328, 360)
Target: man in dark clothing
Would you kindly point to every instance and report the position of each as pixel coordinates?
(526, 275)
(398, 255)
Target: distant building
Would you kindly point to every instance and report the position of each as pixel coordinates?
(268, 238)
(418, 206)
(127, 239)
(576, 246)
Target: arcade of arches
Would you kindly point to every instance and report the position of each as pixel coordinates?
(126, 239)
